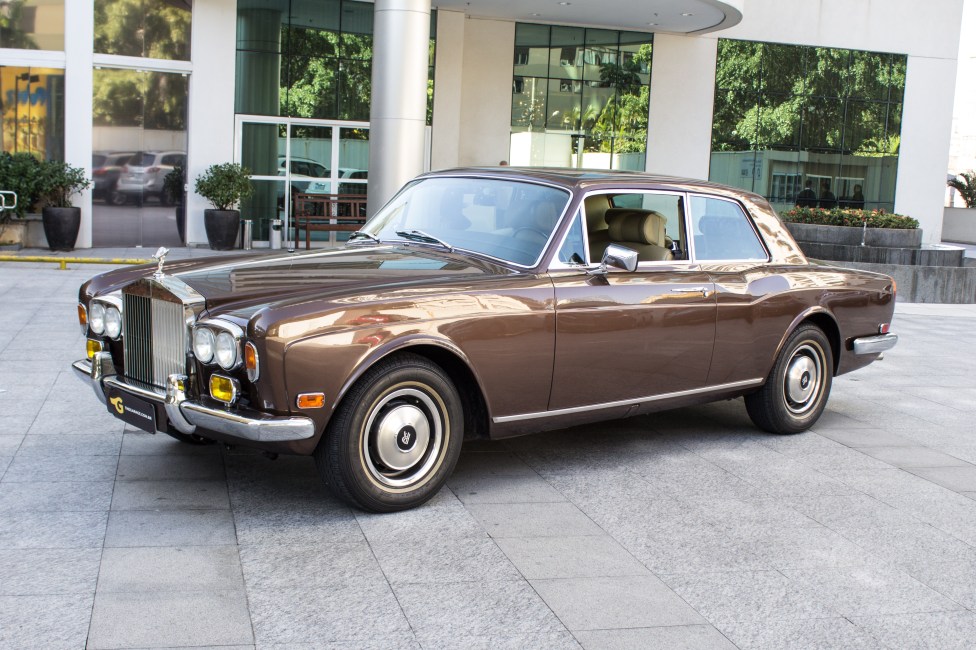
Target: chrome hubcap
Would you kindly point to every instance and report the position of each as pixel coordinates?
(403, 437)
(804, 378)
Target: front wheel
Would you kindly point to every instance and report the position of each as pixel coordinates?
(796, 391)
(395, 438)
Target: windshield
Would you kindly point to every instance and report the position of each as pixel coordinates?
(505, 219)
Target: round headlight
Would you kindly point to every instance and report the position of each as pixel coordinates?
(203, 344)
(225, 350)
(96, 318)
(113, 322)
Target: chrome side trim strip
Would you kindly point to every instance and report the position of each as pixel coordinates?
(748, 383)
(874, 344)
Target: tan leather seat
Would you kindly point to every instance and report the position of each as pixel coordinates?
(640, 230)
(597, 229)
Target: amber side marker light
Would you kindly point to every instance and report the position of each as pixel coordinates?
(223, 389)
(311, 400)
(251, 362)
(91, 347)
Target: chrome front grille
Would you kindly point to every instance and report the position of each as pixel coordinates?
(154, 338)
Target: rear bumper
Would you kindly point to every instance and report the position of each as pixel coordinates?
(874, 344)
(186, 416)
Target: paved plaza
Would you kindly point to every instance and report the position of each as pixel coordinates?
(686, 529)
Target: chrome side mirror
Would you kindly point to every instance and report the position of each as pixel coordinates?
(618, 257)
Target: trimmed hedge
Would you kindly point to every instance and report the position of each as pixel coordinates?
(847, 217)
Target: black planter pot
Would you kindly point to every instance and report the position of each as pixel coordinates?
(61, 227)
(222, 227)
(181, 220)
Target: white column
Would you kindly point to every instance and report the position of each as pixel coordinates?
(79, 34)
(679, 129)
(398, 107)
(448, 76)
(926, 129)
(486, 103)
(210, 128)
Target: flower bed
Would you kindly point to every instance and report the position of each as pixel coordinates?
(847, 217)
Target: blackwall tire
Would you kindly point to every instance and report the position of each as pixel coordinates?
(796, 390)
(395, 438)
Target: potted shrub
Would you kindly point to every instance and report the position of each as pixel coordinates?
(173, 192)
(224, 185)
(57, 183)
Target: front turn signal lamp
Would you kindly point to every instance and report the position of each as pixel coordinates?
(311, 400)
(83, 318)
(224, 389)
(91, 347)
(251, 362)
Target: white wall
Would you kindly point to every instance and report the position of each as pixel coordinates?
(679, 128)
(486, 91)
(210, 128)
(448, 73)
(78, 38)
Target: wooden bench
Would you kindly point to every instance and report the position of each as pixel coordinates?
(329, 213)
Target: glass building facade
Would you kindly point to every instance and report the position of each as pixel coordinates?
(580, 97)
(791, 118)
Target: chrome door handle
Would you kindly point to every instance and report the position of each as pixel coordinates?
(702, 290)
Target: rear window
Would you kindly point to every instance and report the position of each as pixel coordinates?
(143, 159)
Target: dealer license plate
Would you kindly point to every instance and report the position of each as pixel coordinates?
(133, 410)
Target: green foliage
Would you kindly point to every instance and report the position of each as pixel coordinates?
(224, 185)
(11, 33)
(965, 184)
(21, 173)
(846, 217)
(59, 181)
(173, 183)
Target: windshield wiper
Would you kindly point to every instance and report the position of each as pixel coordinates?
(420, 235)
(367, 235)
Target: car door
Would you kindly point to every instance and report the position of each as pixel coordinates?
(624, 335)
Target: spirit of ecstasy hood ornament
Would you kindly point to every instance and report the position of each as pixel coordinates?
(160, 256)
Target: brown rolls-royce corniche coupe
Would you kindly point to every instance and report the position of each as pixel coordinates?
(481, 303)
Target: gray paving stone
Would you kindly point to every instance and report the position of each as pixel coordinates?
(859, 437)
(617, 602)
(186, 618)
(951, 579)
(465, 559)
(957, 479)
(140, 443)
(9, 444)
(747, 596)
(676, 637)
(136, 528)
(58, 621)
(94, 421)
(310, 524)
(103, 444)
(749, 514)
(36, 572)
(476, 609)
(161, 569)
(14, 424)
(503, 489)
(863, 591)
(913, 456)
(911, 546)
(170, 495)
(55, 497)
(500, 641)
(4, 464)
(690, 547)
(42, 530)
(331, 566)
(842, 513)
(809, 634)
(61, 468)
(497, 463)
(172, 467)
(803, 548)
(533, 520)
(422, 524)
(570, 557)
(347, 614)
(942, 630)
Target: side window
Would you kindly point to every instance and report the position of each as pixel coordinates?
(722, 231)
(651, 223)
(572, 251)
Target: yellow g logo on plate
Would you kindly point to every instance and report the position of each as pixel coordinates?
(117, 403)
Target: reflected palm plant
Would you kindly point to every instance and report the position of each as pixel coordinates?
(11, 33)
(965, 184)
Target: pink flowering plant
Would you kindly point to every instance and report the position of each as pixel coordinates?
(848, 217)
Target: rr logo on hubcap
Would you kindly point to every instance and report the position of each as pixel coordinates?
(406, 438)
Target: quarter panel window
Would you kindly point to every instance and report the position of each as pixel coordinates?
(722, 231)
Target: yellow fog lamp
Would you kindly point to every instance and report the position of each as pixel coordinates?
(224, 389)
(91, 347)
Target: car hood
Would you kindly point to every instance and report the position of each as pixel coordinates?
(241, 284)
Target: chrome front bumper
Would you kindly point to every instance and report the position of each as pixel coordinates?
(186, 415)
(874, 344)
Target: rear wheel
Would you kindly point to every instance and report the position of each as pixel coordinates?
(796, 391)
(395, 438)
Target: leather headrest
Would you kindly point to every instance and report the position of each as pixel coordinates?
(641, 226)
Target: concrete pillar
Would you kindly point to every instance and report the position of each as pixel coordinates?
(78, 37)
(448, 77)
(398, 109)
(679, 125)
